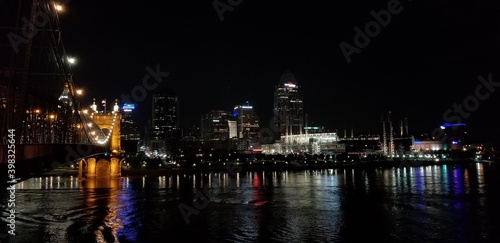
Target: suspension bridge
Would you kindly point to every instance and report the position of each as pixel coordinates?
(42, 121)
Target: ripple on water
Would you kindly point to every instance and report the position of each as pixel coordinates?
(258, 207)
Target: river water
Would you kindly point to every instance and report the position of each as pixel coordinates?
(442, 203)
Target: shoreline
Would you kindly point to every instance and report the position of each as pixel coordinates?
(259, 167)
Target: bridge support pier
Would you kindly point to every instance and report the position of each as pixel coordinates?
(101, 168)
(115, 169)
(91, 164)
(80, 169)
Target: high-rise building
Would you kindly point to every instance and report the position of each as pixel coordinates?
(233, 129)
(165, 122)
(130, 135)
(129, 129)
(289, 106)
(193, 131)
(247, 122)
(216, 125)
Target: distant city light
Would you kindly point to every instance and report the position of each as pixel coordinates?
(311, 128)
(452, 125)
(128, 107)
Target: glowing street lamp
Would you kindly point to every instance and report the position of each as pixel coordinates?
(58, 7)
(71, 60)
(79, 91)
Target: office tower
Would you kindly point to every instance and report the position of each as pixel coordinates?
(215, 125)
(289, 106)
(193, 131)
(130, 135)
(233, 129)
(247, 122)
(165, 121)
(129, 129)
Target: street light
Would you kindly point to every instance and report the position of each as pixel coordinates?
(71, 60)
(58, 7)
(79, 91)
(52, 118)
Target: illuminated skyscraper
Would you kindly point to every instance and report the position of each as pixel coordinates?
(289, 106)
(165, 122)
(247, 122)
(216, 125)
(129, 130)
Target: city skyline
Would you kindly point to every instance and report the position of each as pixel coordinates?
(416, 67)
(237, 120)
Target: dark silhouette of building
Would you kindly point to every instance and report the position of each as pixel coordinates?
(165, 122)
(217, 124)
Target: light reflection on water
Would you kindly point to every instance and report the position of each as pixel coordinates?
(412, 204)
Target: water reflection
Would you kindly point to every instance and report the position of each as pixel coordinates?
(393, 204)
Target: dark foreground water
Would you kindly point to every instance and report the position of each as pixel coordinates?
(422, 204)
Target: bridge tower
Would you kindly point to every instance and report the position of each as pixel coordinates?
(110, 124)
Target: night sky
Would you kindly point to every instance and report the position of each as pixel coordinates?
(426, 58)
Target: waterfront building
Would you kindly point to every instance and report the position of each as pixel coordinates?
(233, 129)
(217, 125)
(362, 144)
(130, 135)
(316, 143)
(247, 122)
(164, 123)
(194, 131)
(129, 128)
(289, 107)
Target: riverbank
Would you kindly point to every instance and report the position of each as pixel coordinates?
(269, 167)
